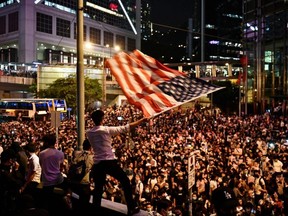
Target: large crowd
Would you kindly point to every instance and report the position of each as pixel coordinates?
(245, 153)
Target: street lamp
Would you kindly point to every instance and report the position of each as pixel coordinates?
(117, 48)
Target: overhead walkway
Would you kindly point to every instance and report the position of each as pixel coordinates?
(14, 83)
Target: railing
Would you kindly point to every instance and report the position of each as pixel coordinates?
(17, 80)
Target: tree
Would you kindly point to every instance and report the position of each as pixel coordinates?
(67, 88)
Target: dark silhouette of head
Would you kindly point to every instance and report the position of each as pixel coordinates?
(224, 201)
(97, 117)
(49, 140)
(30, 147)
(86, 144)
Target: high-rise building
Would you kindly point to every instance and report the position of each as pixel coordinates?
(216, 31)
(146, 25)
(265, 41)
(221, 34)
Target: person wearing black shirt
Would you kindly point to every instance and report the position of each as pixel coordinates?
(11, 181)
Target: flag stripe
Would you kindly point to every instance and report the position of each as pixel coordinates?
(162, 74)
(154, 64)
(141, 81)
(122, 76)
(153, 87)
(156, 71)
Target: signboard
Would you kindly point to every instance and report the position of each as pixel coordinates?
(55, 119)
(191, 171)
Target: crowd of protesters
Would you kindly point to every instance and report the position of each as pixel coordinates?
(20, 73)
(247, 154)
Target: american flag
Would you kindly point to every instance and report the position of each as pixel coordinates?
(153, 87)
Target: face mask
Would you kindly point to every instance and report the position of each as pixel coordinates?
(169, 213)
(147, 191)
(149, 209)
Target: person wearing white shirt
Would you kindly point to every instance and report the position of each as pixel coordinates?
(33, 176)
(138, 189)
(105, 161)
(277, 165)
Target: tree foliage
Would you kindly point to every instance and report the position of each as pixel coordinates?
(67, 88)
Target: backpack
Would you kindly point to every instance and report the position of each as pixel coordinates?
(77, 170)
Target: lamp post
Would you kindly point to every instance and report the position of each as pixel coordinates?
(80, 76)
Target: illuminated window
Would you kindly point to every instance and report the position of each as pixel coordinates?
(120, 41)
(65, 59)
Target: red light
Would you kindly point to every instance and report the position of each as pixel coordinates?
(113, 6)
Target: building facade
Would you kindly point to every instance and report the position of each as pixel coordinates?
(215, 30)
(45, 31)
(265, 40)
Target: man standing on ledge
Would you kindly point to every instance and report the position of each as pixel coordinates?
(105, 161)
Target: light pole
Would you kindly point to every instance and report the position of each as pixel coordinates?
(80, 76)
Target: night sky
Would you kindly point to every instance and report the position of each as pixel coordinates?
(171, 12)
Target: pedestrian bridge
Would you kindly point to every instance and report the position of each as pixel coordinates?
(15, 83)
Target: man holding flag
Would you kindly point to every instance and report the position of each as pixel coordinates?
(100, 138)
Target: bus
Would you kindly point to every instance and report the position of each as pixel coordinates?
(16, 109)
(54, 104)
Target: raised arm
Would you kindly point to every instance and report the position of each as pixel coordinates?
(136, 123)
